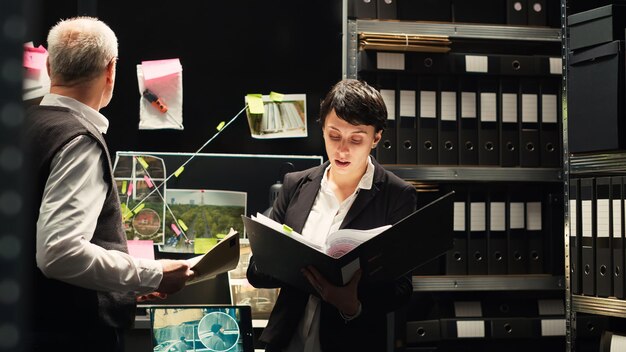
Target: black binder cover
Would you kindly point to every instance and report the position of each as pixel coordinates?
(518, 241)
(516, 12)
(411, 242)
(427, 123)
(477, 244)
(407, 120)
(488, 138)
(537, 12)
(509, 122)
(386, 9)
(456, 258)
(535, 229)
(529, 137)
(512, 328)
(549, 134)
(362, 9)
(422, 331)
(468, 121)
(424, 10)
(575, 236)
(617, 241)
(588, 218)
(604, 271)
(386, 148)
(448, 121)
(497, 246)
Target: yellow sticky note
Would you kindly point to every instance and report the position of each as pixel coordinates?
(179, 171)
(221, 125)
(142, 162)
(287, 228)
(255, 104)
(182, 225)
(276, 96)
(124, 184)
(139, 207)
(126, 213)
(202, 245)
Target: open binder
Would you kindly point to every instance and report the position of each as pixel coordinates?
(411, 242)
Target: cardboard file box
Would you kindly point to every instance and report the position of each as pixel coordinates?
(596, 99)
(597, 26)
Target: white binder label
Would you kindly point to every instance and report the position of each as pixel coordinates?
(488, 107)
(389, 97)
(586, 218)
(617, 217)
(459, 216)
(529, 108)
(553, 327)
(496, 216)
(602, 218)
(516, 216)
(407, 103)
(533, 216)
(548, 108)
(618, 343)
(471, 328)
(477, 216)
(428, 104)
(448, 106)
(572, 217)
(468, 105)
(475, 63)
(556, 66)
(509, 108)
(389, 61)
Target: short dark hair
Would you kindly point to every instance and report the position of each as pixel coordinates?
(356, 102)
(216, 328)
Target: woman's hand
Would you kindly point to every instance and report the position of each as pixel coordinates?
(344, 298)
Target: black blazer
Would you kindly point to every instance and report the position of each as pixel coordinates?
(388, 201)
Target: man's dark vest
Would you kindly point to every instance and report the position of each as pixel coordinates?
(58, 305)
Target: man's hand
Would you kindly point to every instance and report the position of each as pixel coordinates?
(175, 275)
(151, 297)
(344, 298)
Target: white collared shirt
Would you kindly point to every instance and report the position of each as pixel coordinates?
(73, 197)
(325, 217)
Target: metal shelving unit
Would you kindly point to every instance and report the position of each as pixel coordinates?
(488, 282)
(475, 173)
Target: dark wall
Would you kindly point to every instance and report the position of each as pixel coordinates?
(227, 49)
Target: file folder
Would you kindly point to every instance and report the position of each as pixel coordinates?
(518, 242)
(509, 123)
(604, 271)
(407, 124)
(382, 258)
(468, 121)
(575, 236)
(386, 148)
(497, 260)
(477, 244)
(456, 258)
(550, 131)
(427, 122)
(587, 220)
(448, 122)
(529, 136)
(488, 138)
(534, 231)
(617, 231)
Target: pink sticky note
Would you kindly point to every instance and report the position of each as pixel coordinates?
(175, 229)
(160, 68)
(130, 189)
(141, 249)
(35, 58)
(148, 181)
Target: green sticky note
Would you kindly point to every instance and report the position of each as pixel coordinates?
(255, 104)
(182, 225)
(142, 162)
(179, 171)
(124, 184)
(139, 207)
(126, 213)
(277, 96)
(221, 125)
(202, 245)
(287, 228)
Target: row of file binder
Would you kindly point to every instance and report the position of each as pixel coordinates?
(596, 229)
(470, 120)
(504, 230)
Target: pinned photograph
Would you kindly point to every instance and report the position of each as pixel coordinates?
(276, 115)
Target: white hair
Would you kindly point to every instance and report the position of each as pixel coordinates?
(80, 48)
